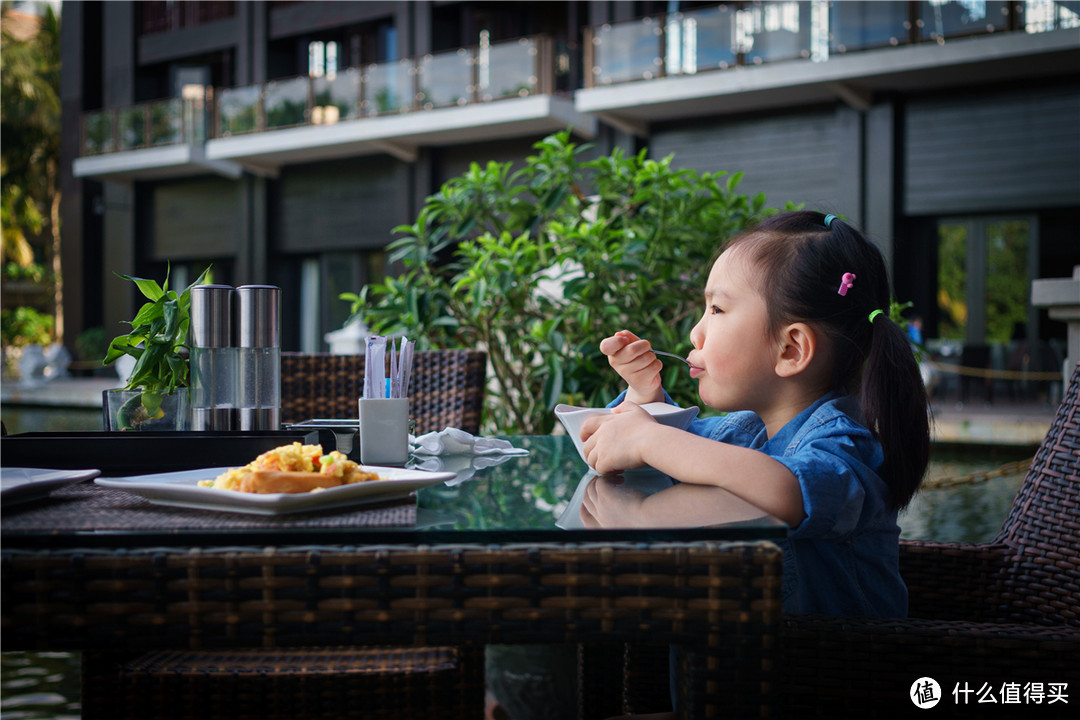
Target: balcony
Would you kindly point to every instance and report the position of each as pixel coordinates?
(159, 139)
(488, 91)
(745, 57)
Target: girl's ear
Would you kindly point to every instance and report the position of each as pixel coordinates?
(798, 346)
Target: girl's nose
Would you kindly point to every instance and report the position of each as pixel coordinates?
(697, 335)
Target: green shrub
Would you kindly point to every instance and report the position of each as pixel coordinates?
(91, 344)
(629, 239)
(25, 326)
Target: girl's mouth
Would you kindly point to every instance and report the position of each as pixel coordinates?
(696, 372)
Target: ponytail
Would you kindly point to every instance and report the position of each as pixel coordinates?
(802, 257)
(894, 406)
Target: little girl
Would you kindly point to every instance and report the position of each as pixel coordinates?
(827, 427)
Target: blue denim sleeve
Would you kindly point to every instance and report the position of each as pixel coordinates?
(622, 396)
(836, 467)
(739, 428)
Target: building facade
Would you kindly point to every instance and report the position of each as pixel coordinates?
(283, 141)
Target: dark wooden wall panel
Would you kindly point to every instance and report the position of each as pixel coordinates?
(794, 158)
(343, 205)
(1015, 150)
(197, 219)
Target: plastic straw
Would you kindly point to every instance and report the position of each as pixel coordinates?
(395, 371)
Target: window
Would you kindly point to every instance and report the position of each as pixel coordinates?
(984, 278)
(322, 280)
(322, 59)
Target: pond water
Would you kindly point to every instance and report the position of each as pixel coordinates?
(966, 511)
(39, 685)
(45, 685)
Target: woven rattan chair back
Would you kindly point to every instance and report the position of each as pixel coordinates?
(1003, 612)
(1042, 577)
(447, 388)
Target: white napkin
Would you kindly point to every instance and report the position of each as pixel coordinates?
(452, 441)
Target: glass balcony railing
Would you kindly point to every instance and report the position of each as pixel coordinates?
(237, 111)
(286, 103)
(446, 79)
(458, 77)
(336, 98)
(628, 51)
(484, 73)
(940, 20)
(173, 121)
(775, 31)
(512, 69)
(388, 88)
(753, 33)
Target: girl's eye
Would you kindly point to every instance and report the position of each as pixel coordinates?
(714, 310)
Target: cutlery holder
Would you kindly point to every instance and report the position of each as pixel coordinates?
(384, 431)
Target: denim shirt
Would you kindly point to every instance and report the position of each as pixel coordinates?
(843, 558)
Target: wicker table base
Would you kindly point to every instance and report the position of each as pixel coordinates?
(720, 599)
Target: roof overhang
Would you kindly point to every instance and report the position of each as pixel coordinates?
(171, 161)
(852, 78)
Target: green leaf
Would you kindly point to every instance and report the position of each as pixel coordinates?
(147, 314)
(172, 316)
(122, 345)
(148, 288)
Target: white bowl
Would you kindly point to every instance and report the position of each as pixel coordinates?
(571, 417)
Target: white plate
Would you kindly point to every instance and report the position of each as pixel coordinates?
(182, 489)
(22, 484)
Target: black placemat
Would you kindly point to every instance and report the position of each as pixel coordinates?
(89, 507)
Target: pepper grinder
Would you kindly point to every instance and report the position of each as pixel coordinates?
(213, 363)
(259, 342)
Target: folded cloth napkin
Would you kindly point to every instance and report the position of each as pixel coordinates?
(453, 441)
(455, 450)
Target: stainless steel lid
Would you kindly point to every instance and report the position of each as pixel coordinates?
(211, 316)
(259, 316)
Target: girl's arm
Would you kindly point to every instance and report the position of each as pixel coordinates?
(630, 438)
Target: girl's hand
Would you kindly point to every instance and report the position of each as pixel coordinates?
(631, 357)
(608, 503)
(614, 442)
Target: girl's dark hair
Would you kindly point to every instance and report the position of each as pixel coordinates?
(800, 263)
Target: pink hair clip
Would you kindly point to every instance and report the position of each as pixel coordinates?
(846, 283)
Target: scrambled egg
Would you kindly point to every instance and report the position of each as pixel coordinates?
(295, 458)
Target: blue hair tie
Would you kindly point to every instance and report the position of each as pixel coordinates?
(828, 220)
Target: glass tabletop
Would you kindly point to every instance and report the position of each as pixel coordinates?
(489, 498)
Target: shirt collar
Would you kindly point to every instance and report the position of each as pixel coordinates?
(777, 443)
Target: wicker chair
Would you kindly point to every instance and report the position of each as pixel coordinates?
(447, 389)
(1007, 611)
(1003, 612)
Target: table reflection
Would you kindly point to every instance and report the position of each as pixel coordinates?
(544, 490)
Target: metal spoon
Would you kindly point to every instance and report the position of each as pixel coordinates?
(677, 357)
